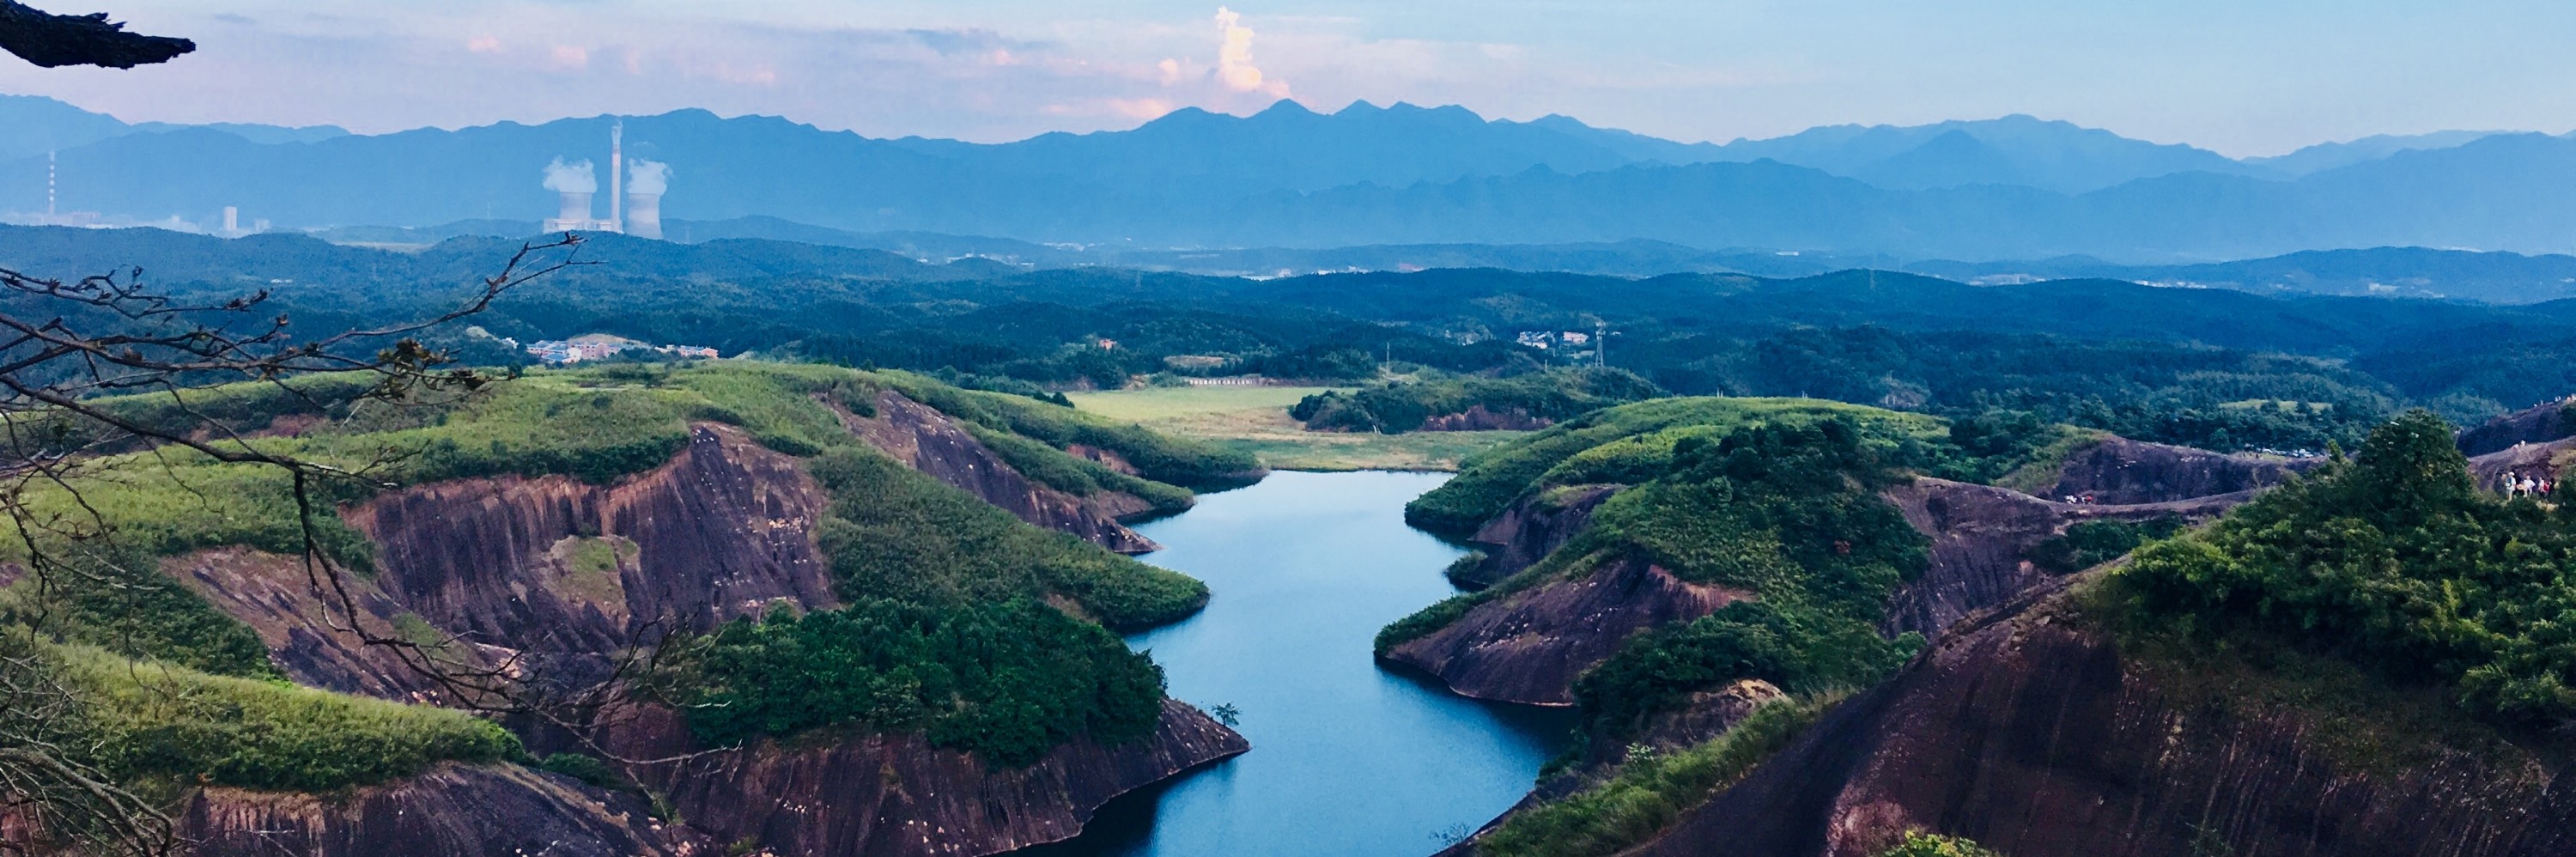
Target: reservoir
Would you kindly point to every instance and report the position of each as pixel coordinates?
(1347, 758)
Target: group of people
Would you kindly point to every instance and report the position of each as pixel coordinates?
(2527, 485)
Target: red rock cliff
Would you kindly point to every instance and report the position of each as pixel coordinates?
(554, 565)
(722, 530)
(1529, 530)
(2120, 471)
(894, 796)
(454, 811)
(2029, 732)
(931, 442)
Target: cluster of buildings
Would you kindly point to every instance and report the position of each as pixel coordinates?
(558, 351)
(1544, 339)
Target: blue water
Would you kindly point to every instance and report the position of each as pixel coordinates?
(1347, 758)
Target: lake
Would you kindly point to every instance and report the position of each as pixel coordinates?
(1347, 758)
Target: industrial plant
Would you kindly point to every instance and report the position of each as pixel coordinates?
(632, 210)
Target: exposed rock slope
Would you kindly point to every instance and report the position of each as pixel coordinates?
(1528, 647)
(454, 811)
(2028, 731)
(2531, 460)
(2120, 471)
(895, 796)
(1531, 529)
(722, 530)
(1982, 537)
(931, 442)
(2540, 423)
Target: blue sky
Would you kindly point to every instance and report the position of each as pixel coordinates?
(2245, 78)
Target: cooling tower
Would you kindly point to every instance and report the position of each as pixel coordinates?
(644, 215)
(576, 211)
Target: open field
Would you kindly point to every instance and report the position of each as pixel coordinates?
(1255, 420)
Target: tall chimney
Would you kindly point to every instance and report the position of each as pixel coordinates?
(617, 177)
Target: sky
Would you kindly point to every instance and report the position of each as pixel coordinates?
(2245, 77)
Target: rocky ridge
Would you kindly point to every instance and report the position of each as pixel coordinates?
(932, 442)
(2028, 730)
(551, 573)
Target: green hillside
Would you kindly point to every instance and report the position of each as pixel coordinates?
(956, 609)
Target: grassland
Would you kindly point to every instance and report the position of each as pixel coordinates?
(1255, 420)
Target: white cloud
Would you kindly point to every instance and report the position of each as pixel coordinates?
(1234, 66)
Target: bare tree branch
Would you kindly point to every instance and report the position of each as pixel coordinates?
(52, 41)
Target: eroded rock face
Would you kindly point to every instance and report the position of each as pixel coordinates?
(305, 626)
(2529, 460)
(929, 441)
(454, 811)
(1529, 646)
(2030, 733)
(2119, 471)
(1981, 538)
(551, 565)
(721, 531)
(896, 796)
(1525, 533)
(2540, 423)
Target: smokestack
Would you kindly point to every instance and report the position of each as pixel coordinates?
(616, 176)
(644, 199)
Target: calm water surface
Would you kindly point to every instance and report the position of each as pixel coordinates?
(1347, 758)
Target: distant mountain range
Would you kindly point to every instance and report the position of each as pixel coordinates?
(2016, 187)
(32, 125)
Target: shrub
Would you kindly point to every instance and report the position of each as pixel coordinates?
(2093, 543)
(2396, 559)
(1920, 844)
(1007, 681)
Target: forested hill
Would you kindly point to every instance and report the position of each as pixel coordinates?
(2211, 367)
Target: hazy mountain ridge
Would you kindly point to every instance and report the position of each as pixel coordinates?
(33, 125)
(2015, 187)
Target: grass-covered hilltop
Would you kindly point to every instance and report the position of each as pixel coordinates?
(195, 656)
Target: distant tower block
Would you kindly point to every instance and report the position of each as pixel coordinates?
(232, 220)
(644, 215)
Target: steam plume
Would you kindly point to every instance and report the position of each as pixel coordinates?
(575, 177)
(645, 177)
